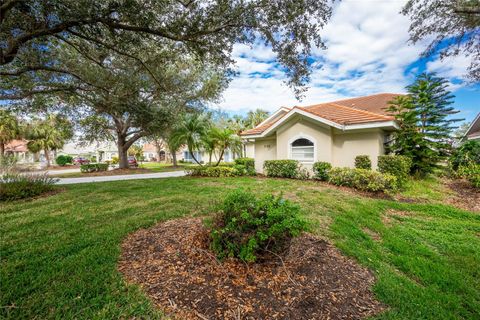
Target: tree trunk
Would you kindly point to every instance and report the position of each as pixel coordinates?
(210, 157)
(47, 157)
(2, 150)
(122, 153)
(193, 156)
(174, 159)
(220, 158)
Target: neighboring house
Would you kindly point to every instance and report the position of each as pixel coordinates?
(106, 151)
(19, 149)
(150, 153)
(473, 133)
(334, 132)
(76, 149)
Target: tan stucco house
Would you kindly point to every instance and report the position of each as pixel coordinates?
(335, 132)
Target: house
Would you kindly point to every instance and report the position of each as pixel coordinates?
(334, 132)
(77, 149)
(473, 132)
(19, 149)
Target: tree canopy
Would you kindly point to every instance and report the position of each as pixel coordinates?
(454, 26)
(32, 31)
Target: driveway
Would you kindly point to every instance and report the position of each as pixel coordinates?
(157, 175)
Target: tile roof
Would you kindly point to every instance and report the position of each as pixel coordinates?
(344, 112)
(16, 146)
(374, 103)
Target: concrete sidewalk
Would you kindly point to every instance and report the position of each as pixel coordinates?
(157, 175)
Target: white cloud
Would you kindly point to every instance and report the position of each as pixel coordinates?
(367, 53)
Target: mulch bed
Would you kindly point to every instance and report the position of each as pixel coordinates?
(466, 196)
(172, 263)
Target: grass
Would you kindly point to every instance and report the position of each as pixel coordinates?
(428, 189)
(164, 167)
(59, 254)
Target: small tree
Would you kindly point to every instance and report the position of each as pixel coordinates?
(425, 123)
(9, 129)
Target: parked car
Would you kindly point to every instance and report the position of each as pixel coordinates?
(132, 162)
(80, 161)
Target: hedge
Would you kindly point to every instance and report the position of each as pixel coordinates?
(396, 165)
(363, 162)
(208, 171)
(281, 168)
(321, 169)
(94, 167)
(362, 179)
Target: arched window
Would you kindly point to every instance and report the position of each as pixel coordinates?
(302, 150)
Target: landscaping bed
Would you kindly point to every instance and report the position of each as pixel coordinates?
(312, 280)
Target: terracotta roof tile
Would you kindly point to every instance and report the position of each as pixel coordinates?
(344, 112)
(374, 103)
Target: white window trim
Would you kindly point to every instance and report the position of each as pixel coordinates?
(303, 136)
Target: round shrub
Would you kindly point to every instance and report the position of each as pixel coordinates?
(248, 226)
(398, 166)
(320, 170)
(363, 162)
(63, 160)
(281, 168)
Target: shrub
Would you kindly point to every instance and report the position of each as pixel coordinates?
(281, 168)
(248, 226)
(321, 169)
(94, 167)
(468, 153)
(363, 162)
(471, 172)
(15, 186)
(206, 171)
(115, 160)
(362, 179)
(249, 163)
(63, 160)
(399, 166)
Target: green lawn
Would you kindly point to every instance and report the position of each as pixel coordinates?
(59, 254)
(164, 167)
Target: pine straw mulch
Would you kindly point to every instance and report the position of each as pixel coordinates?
(173, 265)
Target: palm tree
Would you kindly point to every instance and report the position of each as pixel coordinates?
(210, 142)
(49, 134)
(254, 118)
(190, 131)
(226, 138)
(9, 129)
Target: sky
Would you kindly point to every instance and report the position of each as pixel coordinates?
(367, 53)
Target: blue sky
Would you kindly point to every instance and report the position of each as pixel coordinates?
(367, 52)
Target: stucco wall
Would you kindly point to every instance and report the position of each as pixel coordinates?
(331, 145)
(298, 128)
(264, 150)
(346, 146)
(250, 150)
